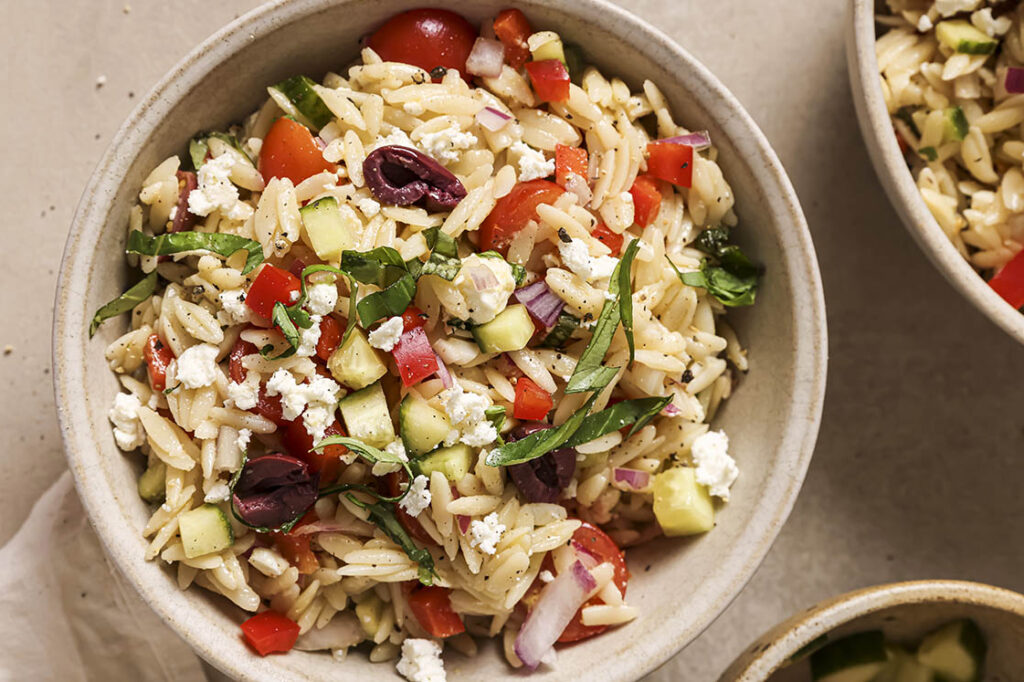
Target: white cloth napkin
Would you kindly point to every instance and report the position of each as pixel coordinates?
(65, 612)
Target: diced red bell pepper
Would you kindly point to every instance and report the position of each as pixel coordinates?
(270, 633)
(512, 29)
(299, 444)
(296, 548)
(550, 80)
(532, 402)
(158, 357)
(670, 162)
(646, 199)
(415, 358)
(433, 610)
(570, 160)
(289, 151)
(514, 211)
(272, 285)
(1009, 281)
(608, 238)
(596, 542)
(413, 317)
(330, 337)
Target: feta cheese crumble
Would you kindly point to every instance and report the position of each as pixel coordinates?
(244, 395)
(216, 191)
(948, 8)
(715, 468)
(484, 304)
(315, 401)
(197, 366)
(576, 256)
(124, 415)
(924, 24)
(445, 144)
(387, 334)
(321, 299)
(397, 448)
(418, 497)
(992, 26)
(467, 415)
(308, 338)
(368, 207)
(486, 534)
(546, 576)
(532, 162)
(235, 311)
(421, 661)
(244, 435)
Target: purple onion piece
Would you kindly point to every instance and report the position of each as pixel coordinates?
(274, 490)
(542, 479)
(183, 218)
(402, 176)
(541, 302)
(1014, 82)
(698, 140)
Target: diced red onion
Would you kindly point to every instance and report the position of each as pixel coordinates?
(671, 410)
(558, 603)
(1014, 82)
(341, 632)
(632, 478)
(540, 302)
(486, 58)
(464, 522)
(588, 558)
(318, 527)
(320, 143)
(492, 119)
(442, 372)
(577, 184)
(483, 278)
(699, 140)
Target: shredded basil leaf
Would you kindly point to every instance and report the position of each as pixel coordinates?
(589, 374)
(124, 303)
(637, 412)
(729, 289)
(929, 153)
(621, 285)
(540, 442)
(178, 242)
(371, 455)
(905, 114)
(384, 268)
(291, 334)
(560, 333)
(383, 516)
(172, 389)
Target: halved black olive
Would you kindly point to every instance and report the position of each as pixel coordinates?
(274, 490)
(542, 479)
(402, 176)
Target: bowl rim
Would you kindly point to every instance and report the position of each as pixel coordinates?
(808, 311)
(898, 183)
(772, 649)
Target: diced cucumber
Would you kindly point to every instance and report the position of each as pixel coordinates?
(331, 228)
(422, 427)
(960, 36)
(151, 482)
(454, 462)
(299, 91)
(546, 45)
(355, 363)
(954, 124)
(855, 658)
(956, 651)
(511, 330)
(903, 667)
(205, 530)
(367, 417)
(681, 505)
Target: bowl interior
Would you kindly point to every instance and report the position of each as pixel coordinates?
(887, 158)
(772, 419)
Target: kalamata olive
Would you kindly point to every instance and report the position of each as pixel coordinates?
(402, 176)
(184, 219)
(274, 490)
(542, 479)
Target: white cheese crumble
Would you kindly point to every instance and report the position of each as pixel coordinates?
(368, 207)
(484, 303)
(321, 298)
(244, 395)
(486, 534)
(924, 24)
(308, 338)
(397, 448)
(479, 435)
(244, 436)
(445, 144)
(216, 192)
(418, 497)
(986, 23)
(546, 576)
(396, 137)
(234, 310)
(466, 412)
(421, 661)
(124, 415)
(219, 492)
(948, 8)
(197, 366)
(315, 401)
(576, 257)
(532, 163)
(387, 334)
(715, 468)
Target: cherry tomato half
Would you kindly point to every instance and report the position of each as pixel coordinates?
(299, 444)
(427, 38)
(289, 151)
(596, 542)
(513, 211)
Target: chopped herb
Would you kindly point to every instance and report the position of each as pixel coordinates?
(621, 285)
(637, 412)
(178, 242)
(733, 281)
(929, 153)
(563, 329)
(383, 516)
(136, 294)
(540, 442)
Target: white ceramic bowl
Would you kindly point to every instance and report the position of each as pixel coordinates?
(905, 612)
(876, 127)
(772, 418)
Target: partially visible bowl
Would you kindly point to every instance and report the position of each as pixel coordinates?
(876, 127)
(772, 419)
(904, 612)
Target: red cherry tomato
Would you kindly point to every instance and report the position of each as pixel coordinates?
(570, 160)
(272, 285)
(513, 211)
(512, 29)
(299, 444)
(296, 549)
(596, 542)
(434, 612)
(413, 317)
(289, 151)
(646, 200)
(158, 357)
(427, 38)
(532, 402)
(330, 337)
(1009, 281)
(670, 162)
(270, 633)
(550, 80)
(608, 238)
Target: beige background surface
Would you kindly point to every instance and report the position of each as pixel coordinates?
(917, 469)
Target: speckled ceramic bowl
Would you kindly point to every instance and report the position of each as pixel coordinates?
(680, 586)
(876, 127)
(905, 612)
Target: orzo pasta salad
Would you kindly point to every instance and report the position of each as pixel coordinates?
(417, 350)
(952, 74)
